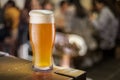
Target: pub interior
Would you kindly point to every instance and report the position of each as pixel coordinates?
(87, 36)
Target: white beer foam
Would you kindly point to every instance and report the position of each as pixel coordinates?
(41, 16)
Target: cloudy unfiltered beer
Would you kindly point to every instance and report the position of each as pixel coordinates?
(42, 33)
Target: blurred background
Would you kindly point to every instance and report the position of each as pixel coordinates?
(87, 33)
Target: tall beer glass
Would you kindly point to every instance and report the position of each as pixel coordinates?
(42, 33)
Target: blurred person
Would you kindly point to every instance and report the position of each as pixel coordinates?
(81, 26)
(48, 6)
(63, 16)
(107, 25)
(23, 36)
(24, 22)
(60, 15)
(35, 4)
(11, 16)
(24, 19)
(23, 44)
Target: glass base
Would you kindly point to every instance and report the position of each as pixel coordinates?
(39, 69)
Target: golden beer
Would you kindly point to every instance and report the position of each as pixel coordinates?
(42, 33)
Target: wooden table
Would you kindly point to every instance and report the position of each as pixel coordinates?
(12, 68)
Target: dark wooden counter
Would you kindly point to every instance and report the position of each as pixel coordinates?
(12, 68)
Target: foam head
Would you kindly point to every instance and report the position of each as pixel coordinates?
(41, 16)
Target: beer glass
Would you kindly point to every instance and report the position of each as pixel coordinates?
(42, 34)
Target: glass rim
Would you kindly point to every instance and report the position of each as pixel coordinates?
(41, 16)
(38, 13)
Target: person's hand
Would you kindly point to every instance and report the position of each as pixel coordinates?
(92, 17)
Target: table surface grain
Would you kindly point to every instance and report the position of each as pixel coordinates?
(12, 68)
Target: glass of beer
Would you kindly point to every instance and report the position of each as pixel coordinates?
(42, 34)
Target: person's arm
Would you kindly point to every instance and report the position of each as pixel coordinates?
(102, 21)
